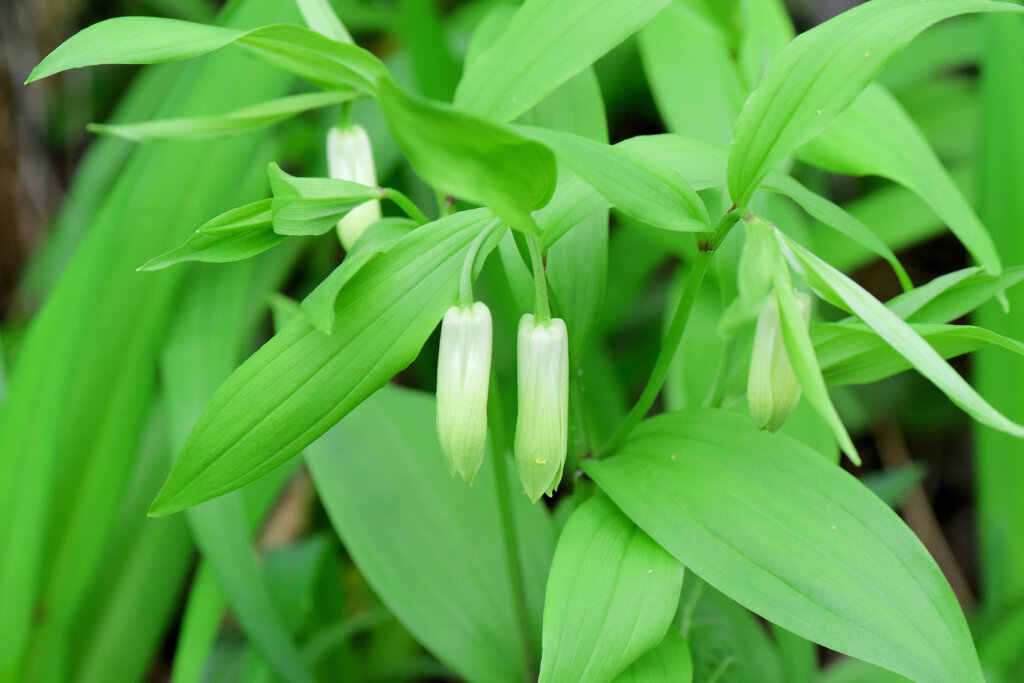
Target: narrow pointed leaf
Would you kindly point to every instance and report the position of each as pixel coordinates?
(731, 502)
(312, 206)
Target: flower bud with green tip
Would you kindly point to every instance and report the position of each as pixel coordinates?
(542, 426)
(463, 374)
(350, 157)
(772, 388)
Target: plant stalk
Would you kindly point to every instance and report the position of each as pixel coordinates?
(405, 204)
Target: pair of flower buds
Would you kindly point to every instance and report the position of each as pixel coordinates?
(463, 376)
(773, 390)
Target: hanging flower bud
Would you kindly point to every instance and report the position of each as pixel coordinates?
(350, 157)
(542, 427)
(772, 388)
(463, 373)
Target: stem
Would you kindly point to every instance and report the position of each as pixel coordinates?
(405, 204)
(542, 309)
(706, 245)
(466, 280)
(499, 450)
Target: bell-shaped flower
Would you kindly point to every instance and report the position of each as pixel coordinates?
(542, 425)
(463, 374)
(350, 157)
(772, 387)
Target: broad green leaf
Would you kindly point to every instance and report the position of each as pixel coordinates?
(320, 16)
(668, 662)
(899, 335)
(643, 188)
(677, 68)
(875, 136)
(421, 32)
(470, 157)
(148, 40)
(430, 546)
(820, 74)
(767, 29)
(319, 304)
(312, 206)
(601, 553)
(302, 381)
(546, 43)
(236, 122)
(730, 502)
(855, 354)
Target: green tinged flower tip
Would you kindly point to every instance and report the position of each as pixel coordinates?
(350, 157)
(542, 426)
(772, 388)
(463, 374)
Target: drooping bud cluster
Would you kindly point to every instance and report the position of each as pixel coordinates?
(542, 427)
(772, 387)
(350, 157)
(463, 374)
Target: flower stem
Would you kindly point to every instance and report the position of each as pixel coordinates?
(466, 280)
(707, 242)
(405, 204)
(542, 309)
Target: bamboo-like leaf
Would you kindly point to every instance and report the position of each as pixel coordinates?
(601, 552)
(731, 502)
(233, 123)
(546, 43)
(821, 73)
(302, 381)
(899, 335)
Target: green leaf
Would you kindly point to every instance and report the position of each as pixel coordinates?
(820, 74)
(645, 189)
(669, 662)
(893, 485)
(602, 553)
(320, 16)
(236, 122)
(875, 136)
(302, 381)
(429, 545)
(899, 335)
(470, 157)
(730, 502)
(546, 43)
(234, 235)
(312, 206)
(147, 40)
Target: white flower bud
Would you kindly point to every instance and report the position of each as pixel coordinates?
(463, 374)
(542, 426)
(772, 388)
(350, 157)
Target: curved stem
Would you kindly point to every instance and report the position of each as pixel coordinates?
(542, 309)
(466, 280)
(405, 204)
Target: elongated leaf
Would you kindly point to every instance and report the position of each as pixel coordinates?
(600, 552)
(302, 381)
(854, 354)
(148, 40)
(899, 335)
(669, 662)
(312, 206)
(731, 503)
(643, 188)
(429, 545)
(220, 247)
(236, 122)
(320, 17)
(470, 157)
(820, 74)
(547, 43)
(875, 136)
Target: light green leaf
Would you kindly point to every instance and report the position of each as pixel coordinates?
(645, 189)
(429, 545)
(820, 74)
(302, 381)
(547, 43)
(953, 295)
(236, 122)
(470, 157)
(312, 206)
(601, 553)
(669, 662)
(875, 136)
(147, 40)
(320, 16)
(731, 502)
(897, 334)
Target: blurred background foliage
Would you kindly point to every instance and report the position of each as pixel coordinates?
(122, 597)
